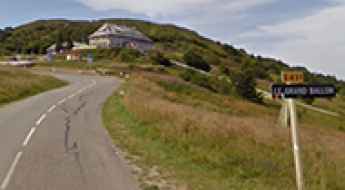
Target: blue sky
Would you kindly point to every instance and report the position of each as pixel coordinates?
(300, 32)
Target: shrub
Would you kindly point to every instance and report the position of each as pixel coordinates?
(211, 59)
(217, 85)
(129, 55)
(245, 85)
(309, 101)
(196, 78)
(224, 70)
(342, 91)
(159, 59)
(194, 60)
(100, 54)
(222, 85)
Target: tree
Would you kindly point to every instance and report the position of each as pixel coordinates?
(224, 70)
(69, 44)
(245, 84)
(194, 60)
(59, 42)
(128, 55)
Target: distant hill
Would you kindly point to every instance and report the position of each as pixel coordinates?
(4, 33)
(171, 40)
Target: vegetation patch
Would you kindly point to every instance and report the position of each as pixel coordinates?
(171, 41)
(196, 146)
(16, 84)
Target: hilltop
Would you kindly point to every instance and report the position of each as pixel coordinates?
(170, 40)
(185, 130)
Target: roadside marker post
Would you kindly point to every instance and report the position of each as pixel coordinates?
(296, 143)
(294, 88)
(294, 77)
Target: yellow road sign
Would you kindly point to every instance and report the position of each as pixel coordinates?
(293, 77)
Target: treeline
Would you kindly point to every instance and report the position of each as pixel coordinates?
(171, 42)
(36, 37)
(4, 33)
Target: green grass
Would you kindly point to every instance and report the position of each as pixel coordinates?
(206, 164)
(203, 154)
(201, 98)
(17, 84)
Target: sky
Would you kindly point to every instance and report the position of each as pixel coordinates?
(300, 32)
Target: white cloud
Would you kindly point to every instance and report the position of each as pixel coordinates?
(156, 8)
(317, 40)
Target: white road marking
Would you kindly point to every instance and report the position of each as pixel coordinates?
(71, 96)
(39, 121)
(93, 83)
(62, 101)
(27, 139)
(8, 176)
(52, 108)
(7, 179)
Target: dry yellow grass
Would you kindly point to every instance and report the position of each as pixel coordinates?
(18, 83)
(208, 148)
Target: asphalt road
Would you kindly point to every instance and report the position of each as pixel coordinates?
(55, 140)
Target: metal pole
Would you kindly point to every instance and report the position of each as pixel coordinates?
(296, 144)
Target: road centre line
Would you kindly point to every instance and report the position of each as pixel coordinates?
(62, 101)
(52, 108)
(28, 137)
(71, 96)
(10, 172)
(41, 119)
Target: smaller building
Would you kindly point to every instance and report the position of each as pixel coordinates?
(65, 48)
(81, 46)
(74, 56)
(116, 36)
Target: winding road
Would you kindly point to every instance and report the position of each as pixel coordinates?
(55, 140)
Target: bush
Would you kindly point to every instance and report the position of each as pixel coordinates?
(211, 59)
(224, 70)
(309, 101)
(222, 85)
(194, 60)
(216, 85)
(342, 91)
(159, 59)
(245, 85)
(196, 78)
(100, 54)
(129, 55)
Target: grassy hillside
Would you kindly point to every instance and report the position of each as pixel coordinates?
(16, 84)
(171, 41)
(199, 131)
(202, 140)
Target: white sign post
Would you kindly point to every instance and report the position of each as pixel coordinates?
(294, 88)
(294, 77)
(296, 143)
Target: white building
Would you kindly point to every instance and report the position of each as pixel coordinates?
(113, 36)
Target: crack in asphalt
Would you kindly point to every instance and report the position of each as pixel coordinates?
(68, 118)
(74, 149)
